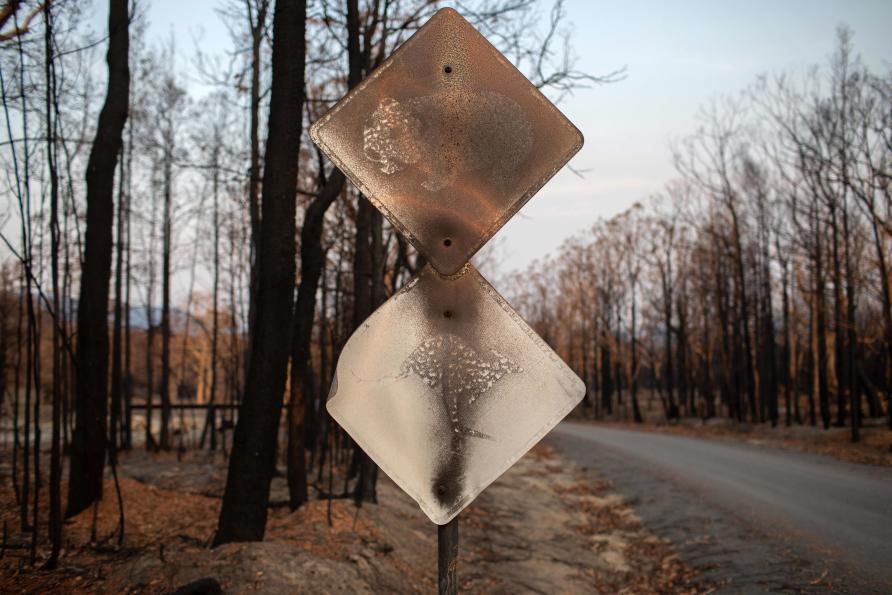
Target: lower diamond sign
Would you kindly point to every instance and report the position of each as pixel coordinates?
(445, 387)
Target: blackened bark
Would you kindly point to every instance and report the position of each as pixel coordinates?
(728, 389)
(150, 365)
(636, 410)
(258, 26)
(167, 240)
(682, 347)
(666, 280)
(55, 528)
(362, 308)
(748, 377)
(312, 262)
(606, 373)
(886, 294)
(853, 385)
(617, 359)
(4, 340)
(117, 362)
(88, 440)
(786, 378)
(17, 392)
(707, 383)
(215, 310)
(821, 330)
(252, 463)
(839, 359)
(768, 385)
(362, 259)
(128, 368)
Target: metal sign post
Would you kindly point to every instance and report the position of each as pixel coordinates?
(445, 386)
(447, 557)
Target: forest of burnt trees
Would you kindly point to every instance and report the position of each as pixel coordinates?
(756, 285)
(181, 266)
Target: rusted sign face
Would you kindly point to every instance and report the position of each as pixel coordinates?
(447, 139)
(445, 387)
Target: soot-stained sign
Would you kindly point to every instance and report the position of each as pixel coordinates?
(445, 387)
(447, 139)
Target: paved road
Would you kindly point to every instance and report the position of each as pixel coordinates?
(753, 519)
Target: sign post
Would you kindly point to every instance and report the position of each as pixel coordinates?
(447, 558)
(445, 386)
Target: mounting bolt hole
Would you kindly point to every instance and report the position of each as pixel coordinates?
(447, 242)
(447, 69)
(447, 314)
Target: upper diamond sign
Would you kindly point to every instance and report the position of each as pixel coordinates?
(447, 139)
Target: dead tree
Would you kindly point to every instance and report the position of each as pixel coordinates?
(312, 261)
(171, 98)
(257, 17)
(56, 446)
(88, 440)
(252, 463)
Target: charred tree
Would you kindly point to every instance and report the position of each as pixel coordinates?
(365, 489)
(55, 524)
(88, 440)
(257, 23)
(252, 462)
(312, 260)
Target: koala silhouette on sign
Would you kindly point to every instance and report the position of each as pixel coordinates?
(447, 134)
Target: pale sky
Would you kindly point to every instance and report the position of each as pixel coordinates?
(678, 54)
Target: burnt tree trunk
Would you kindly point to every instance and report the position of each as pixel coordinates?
(55, 524)
(128, 345)
(853, 385)
(312, 257)
(839, 354)
(820, 359)
(4, 340)
(606, 373)
(362, 308)
(252, 463)
(258, 27)
(786, 378)
(666, 280)
(215, 307)
(312, 261)
(117, 361)
(150, 364)
(88, 440)
(362, 260)
(633, 374)
(166, 240)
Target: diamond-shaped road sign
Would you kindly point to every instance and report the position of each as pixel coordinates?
(447, 139)
(445, 386)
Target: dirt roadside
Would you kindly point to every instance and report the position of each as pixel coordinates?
(542, 527)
